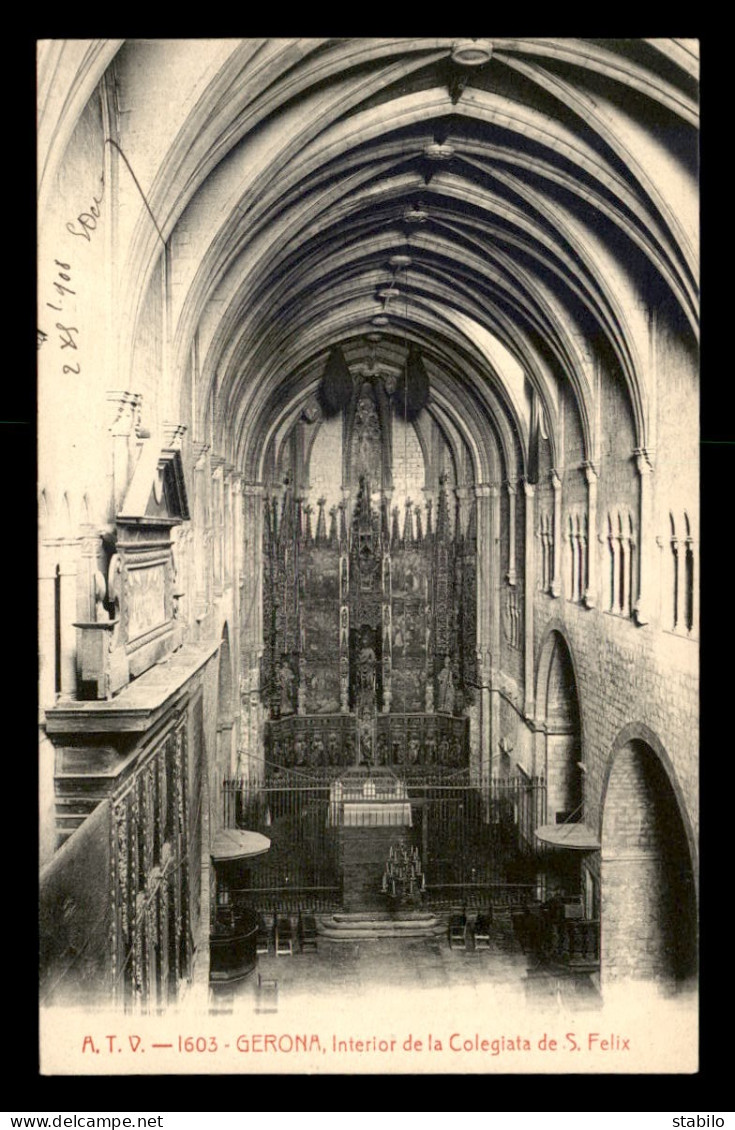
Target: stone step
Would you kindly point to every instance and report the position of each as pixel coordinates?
(350, 927)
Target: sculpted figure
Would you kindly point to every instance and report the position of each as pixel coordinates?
(445, 700)
(286, 684)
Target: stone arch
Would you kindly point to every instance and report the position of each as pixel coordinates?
(559, 753)
(558, 711)
(648, 869)
(225, 706)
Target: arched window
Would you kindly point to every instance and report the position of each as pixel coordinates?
(573, 557)
(621, 547)
(612, 551)
(675, 555)
(689, 577)
(57, 630)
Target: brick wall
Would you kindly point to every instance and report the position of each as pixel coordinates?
(647, 896)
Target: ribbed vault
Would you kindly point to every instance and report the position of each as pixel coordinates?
(540, 190)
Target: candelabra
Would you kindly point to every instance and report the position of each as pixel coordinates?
(403, 876)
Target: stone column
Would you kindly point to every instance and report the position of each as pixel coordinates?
(511, 488)
(678, 573)
(557, 547)
(201, 530)
(496, 590)
(251, 630)
(68, 567)
(47, 559)
(590, 595)
(126, 409)
(464, 497)
(692, 545)
(89, 546)
(217, 521)
(484, 495)
(646, 537)
(528, 708)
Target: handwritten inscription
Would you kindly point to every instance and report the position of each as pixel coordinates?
(86, 222)
(64, 288)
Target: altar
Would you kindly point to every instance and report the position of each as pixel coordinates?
(369, 798)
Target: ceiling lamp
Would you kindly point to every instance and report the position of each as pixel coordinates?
(415, 214)
(472, 52)
(379, 320)
(399, 262)
(374, 338)
(412, 391)
(387, 292)
(436, 151)
(335, 389)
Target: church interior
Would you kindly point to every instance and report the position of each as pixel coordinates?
(368, 494)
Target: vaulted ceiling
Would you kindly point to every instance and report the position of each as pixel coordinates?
(508, 205)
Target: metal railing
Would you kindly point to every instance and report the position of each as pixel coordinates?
(288, 900)
(478, 896)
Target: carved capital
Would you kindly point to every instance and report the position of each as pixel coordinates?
(591, 473)
(555, 479)
(483, 490)
(529, 489)
(126, 411)
(200, 450)
(173, 434)
(644, 460)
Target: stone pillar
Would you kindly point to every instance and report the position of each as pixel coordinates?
(251, 631)
(678, 575)
(557, 548)
(387, 629)
(89, 566)
(47, 559)
(217, 522)
(126, 410)
(202, 530)
(590, 595)
(646, 537)
(692, 546)
(68, 567)
(464, 498)
(511, 487)
(528, 708)
(484, 495)
(496, 588)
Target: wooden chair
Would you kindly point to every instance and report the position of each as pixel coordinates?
(267, 995)
(307, 932)
(458, 931)
(482, 932)
(262, 939)
(284, 935)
